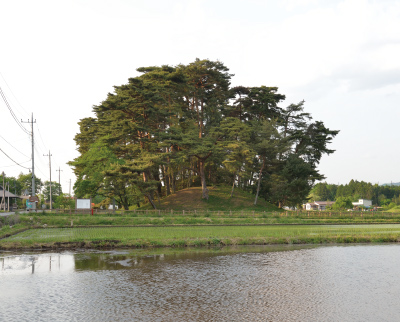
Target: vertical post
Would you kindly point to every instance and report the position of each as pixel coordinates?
(15, 192)
(51, 193)
(33, 157)
(51, 197)
(33, 162)
(3, 200)
(8, 205)
(59, 180)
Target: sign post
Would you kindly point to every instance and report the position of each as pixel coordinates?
(31, 202)
(84, 204)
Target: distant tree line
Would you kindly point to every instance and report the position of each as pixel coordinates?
(175, 127)
(354, 190)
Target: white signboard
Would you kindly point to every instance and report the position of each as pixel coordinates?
(83, 204)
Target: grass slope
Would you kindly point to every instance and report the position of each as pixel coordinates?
(219, 199)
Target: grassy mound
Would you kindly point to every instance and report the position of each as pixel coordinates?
(219, 199)
(394, 210)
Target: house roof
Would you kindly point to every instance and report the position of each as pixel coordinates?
(7, 193)
(322, 203)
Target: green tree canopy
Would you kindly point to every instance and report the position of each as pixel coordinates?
(176, 126)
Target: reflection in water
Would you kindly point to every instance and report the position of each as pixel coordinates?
(36, 263)
(346, 283)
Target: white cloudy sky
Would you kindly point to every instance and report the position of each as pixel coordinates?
(59, 58)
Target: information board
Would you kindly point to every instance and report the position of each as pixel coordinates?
(83, 204)
(30, 205)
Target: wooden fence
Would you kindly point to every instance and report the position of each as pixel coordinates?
(230, 213)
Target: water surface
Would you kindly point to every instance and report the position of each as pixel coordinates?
(325, 283)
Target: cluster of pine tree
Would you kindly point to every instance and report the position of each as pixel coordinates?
(175, 127)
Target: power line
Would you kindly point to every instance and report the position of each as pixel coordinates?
(13, 94)
(13, 165)
(13, 160)
(40, 135)
(37, 148)
(40, 170)
(12, 112)
(41, 162)
(14, 147)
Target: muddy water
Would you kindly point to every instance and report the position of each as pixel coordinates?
(330, 283)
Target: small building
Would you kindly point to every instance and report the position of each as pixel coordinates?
(9, 198)
(318, 205)
(363, 203)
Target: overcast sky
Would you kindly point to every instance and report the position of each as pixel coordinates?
(59, 58)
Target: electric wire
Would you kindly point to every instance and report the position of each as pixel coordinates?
(13, 159)
(14, 95)
(14, 147)
(36, 142)
(37, 146)
(40, 135)
(12, 112)
(39, 157)
(13, 165)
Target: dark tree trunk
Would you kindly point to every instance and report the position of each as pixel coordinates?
(150, 198)
(204, 189)
(166, 180)
(259, 182)
(172, 180)
(233, 185)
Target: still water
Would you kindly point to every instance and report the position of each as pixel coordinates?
(325, 283)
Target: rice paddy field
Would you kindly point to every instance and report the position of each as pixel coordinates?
(200, 235)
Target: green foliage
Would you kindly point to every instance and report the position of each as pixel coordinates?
(64, 201)
(175, 127)
(391, 206)
(15, 184)
(55, 190)
(342, 203)
(293, 183)
(354, 190)
(25, 183)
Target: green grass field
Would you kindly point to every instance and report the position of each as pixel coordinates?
(183, 219)
(203, 235)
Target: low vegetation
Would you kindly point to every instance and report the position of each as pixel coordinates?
(220, 220)
(200, 236)
(195, 228)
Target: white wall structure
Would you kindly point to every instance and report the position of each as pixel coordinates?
(318, 205)
(363, 202)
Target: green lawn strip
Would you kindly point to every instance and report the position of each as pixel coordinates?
(203, 235)
(121, 220)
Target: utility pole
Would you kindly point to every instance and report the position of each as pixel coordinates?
(33, 157)
(15, 193)
(51, 199)
(3, 200)
(70, 187)
(59, 181)
(8, 205)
